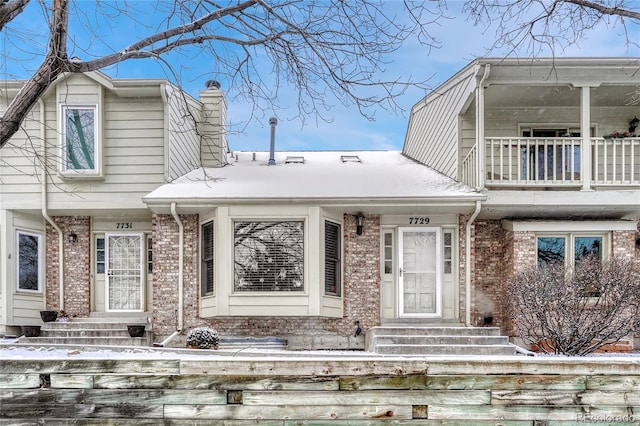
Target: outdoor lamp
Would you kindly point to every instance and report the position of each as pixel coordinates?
(359, 223)
(633, 124)
(73, 237)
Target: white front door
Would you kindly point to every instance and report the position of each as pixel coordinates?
(124, 272)
(420, 278)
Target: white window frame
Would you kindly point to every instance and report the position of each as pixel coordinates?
(40, 240)
(570, 242)
(96, 171)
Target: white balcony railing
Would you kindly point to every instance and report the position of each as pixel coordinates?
(555, 162)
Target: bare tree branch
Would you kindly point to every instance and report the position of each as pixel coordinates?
(11, 9)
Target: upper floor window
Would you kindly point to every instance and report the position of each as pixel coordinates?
(80, 145)
(568, 248)
(29, 261)
(332, 255)
(268, 256)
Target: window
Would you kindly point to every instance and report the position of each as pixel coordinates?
(269, 256)
(100, 255)
(448, 252)
(554, 249)
(29, 262)
(149, 255)
(207, 259)
(332, 255)
(388, 253)
(80, 146)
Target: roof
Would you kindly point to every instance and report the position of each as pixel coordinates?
(319, 175)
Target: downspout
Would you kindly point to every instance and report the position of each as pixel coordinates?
(480, 159)
(45, 213)
(180, 266)
(467, 260)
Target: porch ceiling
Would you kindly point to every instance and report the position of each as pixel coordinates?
(507, 96)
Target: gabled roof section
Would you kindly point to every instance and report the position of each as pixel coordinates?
(379, 176)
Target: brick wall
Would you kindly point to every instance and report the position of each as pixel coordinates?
(77, 258)
(361, 286)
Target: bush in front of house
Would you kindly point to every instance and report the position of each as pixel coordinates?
(203, 338)
(576, 311)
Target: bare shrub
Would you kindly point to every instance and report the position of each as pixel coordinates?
(576, 311)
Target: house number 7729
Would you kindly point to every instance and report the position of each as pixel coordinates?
(124, 225)
(418, 221)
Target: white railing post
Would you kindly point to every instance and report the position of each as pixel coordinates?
(585, 133)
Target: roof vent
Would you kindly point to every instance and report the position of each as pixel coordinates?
(297, 159)
(350, 159)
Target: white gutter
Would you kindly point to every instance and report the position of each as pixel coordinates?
(174, 213)
(45, 213)
(467, 260)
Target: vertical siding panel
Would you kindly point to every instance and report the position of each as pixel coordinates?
(432, 137)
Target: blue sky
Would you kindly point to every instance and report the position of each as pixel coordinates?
(461, 43)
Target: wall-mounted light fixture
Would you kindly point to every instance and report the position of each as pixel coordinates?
(73, 237)
(359, 223)
(633, 124)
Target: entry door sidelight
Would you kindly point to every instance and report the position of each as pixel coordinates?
(419, 278)
(124, 272)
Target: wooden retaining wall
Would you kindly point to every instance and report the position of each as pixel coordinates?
(299, 391)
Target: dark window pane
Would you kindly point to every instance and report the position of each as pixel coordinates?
(551, 250)
(28, 262)
(80, 138)
(585, 246)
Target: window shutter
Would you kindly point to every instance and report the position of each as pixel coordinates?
(332, 266)
(207, 258)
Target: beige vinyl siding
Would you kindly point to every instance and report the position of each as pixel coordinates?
(183, 115)
(432, 136)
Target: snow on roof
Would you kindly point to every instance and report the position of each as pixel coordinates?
(318, 175)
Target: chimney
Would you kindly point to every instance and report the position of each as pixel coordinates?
(272, 152)
(213, 126)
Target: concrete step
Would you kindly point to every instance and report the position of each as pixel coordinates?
(99, 341)
(75, 325)
(440, 340)
(435, 331)
(395, 349)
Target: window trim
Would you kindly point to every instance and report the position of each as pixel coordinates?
(96, 171)
(40, 267)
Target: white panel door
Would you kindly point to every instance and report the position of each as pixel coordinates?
(419, 277)
(124, 272)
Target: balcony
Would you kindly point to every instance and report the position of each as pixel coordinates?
(562, 163)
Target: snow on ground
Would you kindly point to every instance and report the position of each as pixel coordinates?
(11, 351)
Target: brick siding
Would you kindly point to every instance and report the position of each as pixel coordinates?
(77, 258)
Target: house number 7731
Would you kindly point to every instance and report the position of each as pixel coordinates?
(124, 225)
(418, 221)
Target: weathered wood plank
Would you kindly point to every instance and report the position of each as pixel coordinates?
(604, 398)
(534, 397)
(72, 381)
(537, 366)
(613, 382)
(31, 421)
(19, 381)
(114, 396)
(87, 366)
(288, 412)
(303, 367)
(424, 397)
(103, 411)
(424, 422)
(471, 382)
(212, 382)
(529, 412)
